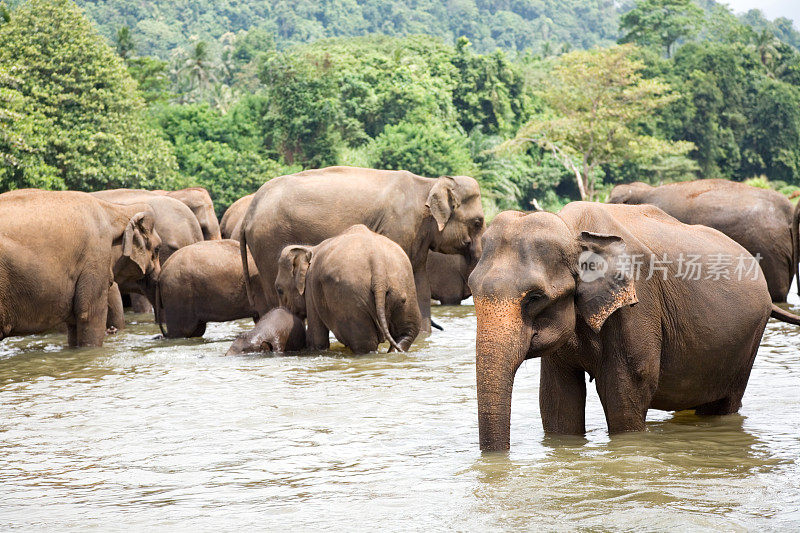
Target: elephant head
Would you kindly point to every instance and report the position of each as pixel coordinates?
(629, 193)
(536, 279)
(290, 282)
(455, 205)
(140, 248)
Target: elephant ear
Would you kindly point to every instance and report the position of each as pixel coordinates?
(442, 200)
(301, 260)
(134, 240)
(604, 285)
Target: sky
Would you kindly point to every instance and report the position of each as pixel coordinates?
(771, 8)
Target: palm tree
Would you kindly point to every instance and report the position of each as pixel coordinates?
(766, 46)
(198, 68)
(125, 44)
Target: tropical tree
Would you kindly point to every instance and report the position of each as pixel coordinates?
(124, 43)
(87, 124)
(597, 100)
(661, 23)
(426, 149)
(198, 68)
(11, 140)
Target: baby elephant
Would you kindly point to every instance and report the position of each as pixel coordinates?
(278, 331)
(358, 284)
(200, 283)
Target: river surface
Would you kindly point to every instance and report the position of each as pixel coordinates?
(174, 435)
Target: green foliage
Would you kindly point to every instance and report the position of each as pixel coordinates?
(84, 118)
(661, 23)
(233, 94)
(427, 149)
(349, 91)
(781, 27)
(741, 116)
(221, 151)
(162, 26)
(152, 78)
(758, 181)
(596, 101)
(489, 91)
(124, 42)
(15, 131)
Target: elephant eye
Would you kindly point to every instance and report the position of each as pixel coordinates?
(533, 300)
(534, 296)
(478, 222)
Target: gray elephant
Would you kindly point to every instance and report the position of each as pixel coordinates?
(229, 226)
(199, 202)
(202, 283)
(564, 287)
(761, 220)
(359, 285)
(60, 252)
(278, 331)
(419, 214)
(175, 224)
(448, 275)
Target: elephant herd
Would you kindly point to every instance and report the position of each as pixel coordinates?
(342, 248)
(360, 253)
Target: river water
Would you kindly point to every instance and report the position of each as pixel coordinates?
(173, 435)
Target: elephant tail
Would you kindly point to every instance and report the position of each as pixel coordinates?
(784, 316)
(245, 267)
(157, 307)
(379, 290)
(795, 233)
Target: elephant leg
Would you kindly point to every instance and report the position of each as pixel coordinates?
(317, 334)
(562, 398)
(723, 406)
(625, 393)
(404, 342)
(72, 335)
(733, 401)
(181, 325)
(116, 316)
(199, 330)
(423, 298)
(140, 304)
(361, 336)
(90, 307)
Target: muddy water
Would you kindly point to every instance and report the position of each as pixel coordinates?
(172, 434)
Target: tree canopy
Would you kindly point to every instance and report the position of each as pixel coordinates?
(229, 95)
(596, 100)
(74, 105)
(661, 22)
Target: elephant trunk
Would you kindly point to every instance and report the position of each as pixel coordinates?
(473, 254)
(500, 349)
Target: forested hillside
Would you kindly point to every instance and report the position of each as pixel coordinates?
(163, 25)
(690, 91)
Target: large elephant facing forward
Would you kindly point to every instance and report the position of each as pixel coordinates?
(563, 287)
(761, 220)
(419, 214)
(61, 252)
